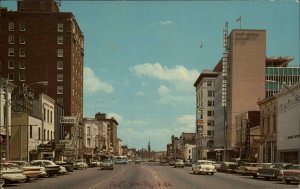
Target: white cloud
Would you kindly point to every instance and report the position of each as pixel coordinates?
(126, 122)
(93, 84)
(163, 90)
(179, 75)
(186, 123)
(165, 22)
(166, 97)
(141, 93)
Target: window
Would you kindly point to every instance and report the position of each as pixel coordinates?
(88, 131)
(210, 103)
(39, 134)
(11, 64)
(60, 40)
(209, 83)
(11, 26)
(60, 53)
(22, 26)
(11, 52)
(11, 39)
(60, 77)
(274, 124)
(210, 123)
(210, 113)
(21, 76)
(210, 93)
(48, 135)
(60, 65)
(22, 64)
(88, 142)
(60, 101)
(44, 135)
(22, 40)
(22, 52)
(60, 27)
(10, 76)
(48, 116)
(51, 117)
(60, 90)
(44, 114)
(30, 131)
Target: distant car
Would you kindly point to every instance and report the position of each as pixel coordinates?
(30, 171)
(188, 163)
(292, 174)
(248, 168)
(204, 166)
(272, 171)
(171, 162)
(107, 164)
(50, 167)
(94, 163)
(179, 163)
(137, 161)
(68, 165)
(12, 173)
(229, 167)
(80, 164)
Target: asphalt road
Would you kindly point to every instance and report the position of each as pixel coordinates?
(148, 176)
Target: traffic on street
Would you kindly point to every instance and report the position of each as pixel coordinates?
(149, 175)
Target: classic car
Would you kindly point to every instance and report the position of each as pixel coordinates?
(67, 165)
(290, 174)
(188, 163)
(12, 173)
(248, 168)
(230, 167)
(50, 167)
(30, 171)
(204, 166)
(179, 163)
(94, 163)
(272, 171)
(107, 164)
(80, 164)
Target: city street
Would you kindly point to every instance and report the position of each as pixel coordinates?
(147, 176)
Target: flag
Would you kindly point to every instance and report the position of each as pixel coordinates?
(239, 19)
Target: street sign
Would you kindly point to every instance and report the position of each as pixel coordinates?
(68, 119)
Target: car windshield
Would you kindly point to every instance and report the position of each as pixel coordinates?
(107, 161)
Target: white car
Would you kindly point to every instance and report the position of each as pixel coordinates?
(50, 167)
(179, 163)
(81, 164)
(12, 173)
(204, 166)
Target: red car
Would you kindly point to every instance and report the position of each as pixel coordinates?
(290, 174)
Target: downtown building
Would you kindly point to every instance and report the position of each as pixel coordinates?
(41, 44)
(247, 78)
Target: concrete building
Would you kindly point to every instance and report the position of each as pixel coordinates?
(187, 152)
(112, 126)
(39, 43)
(288, 124)
(205, 113)
(33, 135)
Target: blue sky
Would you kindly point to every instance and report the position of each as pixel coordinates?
(142, 58)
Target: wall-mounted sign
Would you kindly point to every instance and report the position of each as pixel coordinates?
(68, 119)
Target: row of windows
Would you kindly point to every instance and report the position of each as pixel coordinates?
(60, 78)
(48, 137)
(11, 52)
(22, 65)
(22, 26)
(48, 115)
(11, 40)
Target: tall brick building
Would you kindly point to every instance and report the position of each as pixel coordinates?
(39, 43)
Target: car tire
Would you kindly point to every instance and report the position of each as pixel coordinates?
(212, 173)
(287, 181)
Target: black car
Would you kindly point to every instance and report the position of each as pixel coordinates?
(272, 171)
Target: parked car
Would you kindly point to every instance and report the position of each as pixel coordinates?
(272, 171)
(67, 165)
(80, 164)
(107, 164)
(188, 163)
(204, 166)
(94, 163)
(50, 167)
(292, 174)
(179, 163)
(229, 167)
(171, 162)
(137, 161)
(30, 171)
(12, 173)
(248, 168)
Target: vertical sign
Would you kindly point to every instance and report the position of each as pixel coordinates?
(224, 65)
